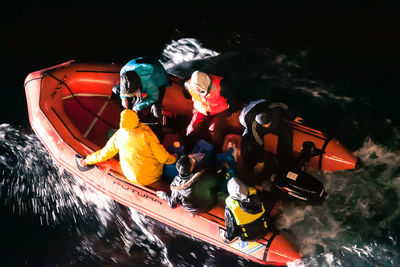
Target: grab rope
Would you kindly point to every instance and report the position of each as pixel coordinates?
(76, 99)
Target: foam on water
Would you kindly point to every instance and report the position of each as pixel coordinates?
(33, 183)
(357, 222)
(184, 50)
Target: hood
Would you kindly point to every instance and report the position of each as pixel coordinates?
(129, 119)
(184, 166)
(200, 82)
(237, 189)
(263, 118)
(129, 84)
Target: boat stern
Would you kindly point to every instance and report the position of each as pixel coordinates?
(282, 252)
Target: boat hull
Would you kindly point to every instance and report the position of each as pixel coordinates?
(70, 109)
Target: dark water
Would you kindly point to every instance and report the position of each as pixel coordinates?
(335, 64)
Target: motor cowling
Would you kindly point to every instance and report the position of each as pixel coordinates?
(301, 186)
(298, 184)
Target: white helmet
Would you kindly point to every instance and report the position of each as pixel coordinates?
(237, 189)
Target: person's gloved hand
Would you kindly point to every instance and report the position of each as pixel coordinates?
(116, 89)
(83, 163)
(299, 120)
(162, 195)
(222, 236)
(125, 102)
(235, 152)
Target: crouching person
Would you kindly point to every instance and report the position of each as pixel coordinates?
(196, 191)
(141, 155)
(245, 215)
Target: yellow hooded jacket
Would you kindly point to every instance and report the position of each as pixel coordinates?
(141, 155)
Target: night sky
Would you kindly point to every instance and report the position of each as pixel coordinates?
(353, 43)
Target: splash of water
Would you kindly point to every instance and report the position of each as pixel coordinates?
(184, 50)
(276, 77)
(303, 80)
(33, 183)
(106, 232)
(178, 248)
(347, 220)
(357, 224)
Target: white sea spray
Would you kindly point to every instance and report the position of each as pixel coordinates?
(184, 50)
(361, 208)
(36, 184)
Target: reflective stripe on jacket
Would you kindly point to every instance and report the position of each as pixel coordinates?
(213, 103)
(242, 218)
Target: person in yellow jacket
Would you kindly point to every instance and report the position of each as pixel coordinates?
(245, 214)
(141, 155)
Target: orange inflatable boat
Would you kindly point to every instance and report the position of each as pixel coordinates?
(71, 110)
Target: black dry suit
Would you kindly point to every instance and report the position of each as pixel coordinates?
(196, 192)
(253, 136)
(246, 218)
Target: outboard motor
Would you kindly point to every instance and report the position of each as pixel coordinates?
(308, 150)
(298, 184)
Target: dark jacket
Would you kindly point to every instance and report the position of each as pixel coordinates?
(277, 111)
(197, 192)
(230, 94)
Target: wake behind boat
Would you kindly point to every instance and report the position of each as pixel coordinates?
(71, 110)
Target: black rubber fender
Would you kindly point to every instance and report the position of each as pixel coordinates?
(79, 166)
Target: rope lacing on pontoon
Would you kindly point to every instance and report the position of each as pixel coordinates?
(76, 99)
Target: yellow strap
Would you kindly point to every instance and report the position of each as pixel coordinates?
(242, 217)
(252, 191)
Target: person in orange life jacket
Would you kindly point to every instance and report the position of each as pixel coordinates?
(141, 155)
(210, 107)
(245, 214)
(260, 118)
(142, 85)
(195, 190)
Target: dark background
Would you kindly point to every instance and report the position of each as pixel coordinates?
(352, 44)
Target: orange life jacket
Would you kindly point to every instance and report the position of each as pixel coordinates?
(213, 103)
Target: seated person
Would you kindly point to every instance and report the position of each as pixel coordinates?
(195, 190)
(211, 101)
(260, 118)
(245, 215)
(142, 85)
(142, 157)
(202, 155)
